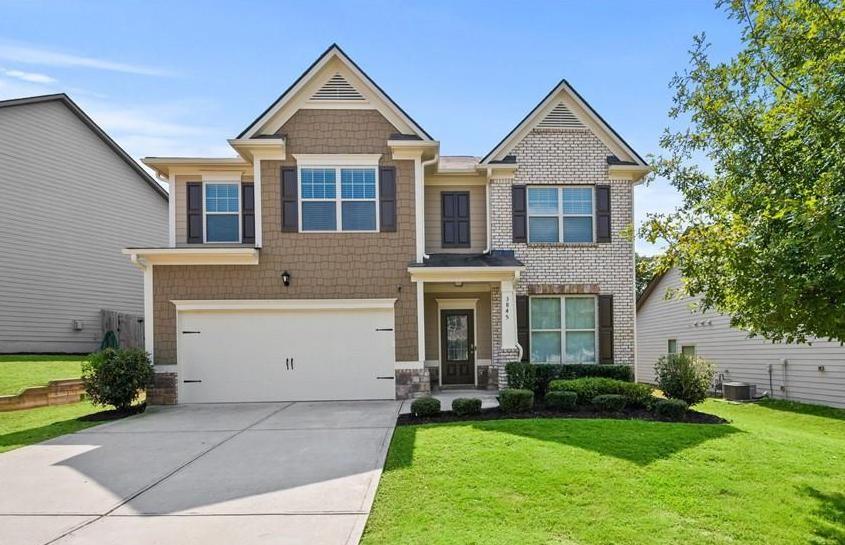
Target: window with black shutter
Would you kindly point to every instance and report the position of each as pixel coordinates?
(454, 214)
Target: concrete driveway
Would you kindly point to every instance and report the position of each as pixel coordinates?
(280, 473)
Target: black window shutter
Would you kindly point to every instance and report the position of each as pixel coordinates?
(194, 209)
(605, 329)
(519, 211)
(602, 213)
(290, 207)
(387, 199)
(454, 215)
(523, 334)
(248, 213)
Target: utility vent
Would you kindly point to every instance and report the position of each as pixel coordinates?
(560, 118)
(337, 88)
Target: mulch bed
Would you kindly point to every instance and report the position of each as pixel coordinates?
(113, 414)
(692, 417)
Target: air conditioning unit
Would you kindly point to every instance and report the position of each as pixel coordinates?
(738, 391)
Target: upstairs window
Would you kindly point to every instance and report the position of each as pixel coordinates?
(560, 214)
(222, 212)
(338, 199)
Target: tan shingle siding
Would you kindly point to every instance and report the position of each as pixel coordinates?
(322, 266)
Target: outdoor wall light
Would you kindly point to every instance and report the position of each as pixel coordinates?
(286, 278)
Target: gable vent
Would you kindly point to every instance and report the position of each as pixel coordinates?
(337, 88)
(560, 118)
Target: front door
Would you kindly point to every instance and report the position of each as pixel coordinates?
(457, 346)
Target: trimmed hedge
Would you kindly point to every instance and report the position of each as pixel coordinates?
(609, 402)
(514, 400)
(537, 376)
(425, 406)
(463, 406)
(636, 395)
(671, 409)
(564, 401)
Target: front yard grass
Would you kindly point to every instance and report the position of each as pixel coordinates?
(21, 428)
(19, 372)
(775, 474)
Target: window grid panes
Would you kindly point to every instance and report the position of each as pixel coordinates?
(338, 199)
(563, 329)
(560, 214)
(222, 212)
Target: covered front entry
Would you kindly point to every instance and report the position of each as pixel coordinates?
(457, 346)
(230, 351)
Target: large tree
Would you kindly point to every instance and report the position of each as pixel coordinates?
(761, 232)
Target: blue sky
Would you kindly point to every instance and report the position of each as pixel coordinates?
(178, 78)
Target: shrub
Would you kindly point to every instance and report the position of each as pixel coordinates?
(562, 401)
(466, 406)
(537, 376)
(117, 376)
(684, 377)
(636, 395)
(425, 406)
(520, 375)
(609, 402)
(672, 409)
(514, 400)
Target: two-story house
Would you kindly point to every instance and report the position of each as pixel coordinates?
(340, 256)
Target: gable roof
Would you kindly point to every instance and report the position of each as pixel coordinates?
(652, 285)
(333, 52)
(548, 106)
(72, 106)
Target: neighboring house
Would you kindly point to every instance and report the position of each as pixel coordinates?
(72, 199)
(813, 373)
(341, 257)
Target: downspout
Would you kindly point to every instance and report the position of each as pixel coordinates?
(421, 203)
(488, 247)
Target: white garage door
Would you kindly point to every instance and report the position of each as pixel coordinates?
(318, 352)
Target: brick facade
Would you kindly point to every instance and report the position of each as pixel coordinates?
(569, 156)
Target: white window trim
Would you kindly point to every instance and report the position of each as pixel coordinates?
(205, 213)
(563, 330)
(688, 345)
(338, 199)
(560, 215)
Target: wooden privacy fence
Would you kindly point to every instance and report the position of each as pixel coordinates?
(129, 328)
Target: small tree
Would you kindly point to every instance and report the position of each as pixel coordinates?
(117, 376)
(684, 377)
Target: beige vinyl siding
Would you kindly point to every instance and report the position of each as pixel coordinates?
(180, 193)
(477, 219)
(737, 356)
(68, 207)
(483, 342)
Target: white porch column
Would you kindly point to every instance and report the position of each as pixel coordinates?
(148, 310)
(256, 181)
(421, 322)
(508, 316)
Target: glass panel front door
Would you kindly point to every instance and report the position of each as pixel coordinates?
(457, 346)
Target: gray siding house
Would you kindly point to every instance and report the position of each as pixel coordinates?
(71, 200)
(812, 373)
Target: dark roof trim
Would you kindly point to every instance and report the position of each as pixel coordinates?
(496, 258)
(315, 63)
(650, 288)
(587, 104)
(614, 160)
(72, 106)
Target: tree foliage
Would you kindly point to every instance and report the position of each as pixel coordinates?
(761, 236)
(646, 270)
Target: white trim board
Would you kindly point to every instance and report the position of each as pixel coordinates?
(282, 304)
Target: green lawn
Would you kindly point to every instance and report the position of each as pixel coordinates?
(20, 428)
(774, 475)
(19, 372)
